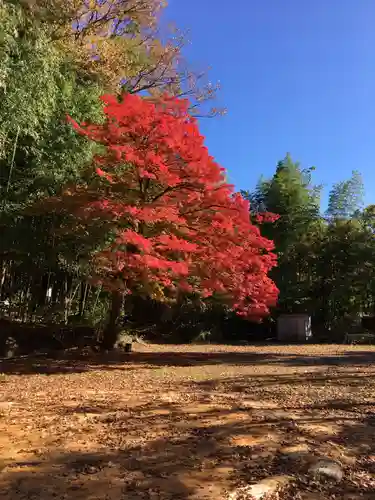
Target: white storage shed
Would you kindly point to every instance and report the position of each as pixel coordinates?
(294, 328)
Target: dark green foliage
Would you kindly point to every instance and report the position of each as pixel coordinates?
(39, 152)
(326, 265)
(289, 194)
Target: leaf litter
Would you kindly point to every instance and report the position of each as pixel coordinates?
(188, 422)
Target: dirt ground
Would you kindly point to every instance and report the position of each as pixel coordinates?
(178, 422)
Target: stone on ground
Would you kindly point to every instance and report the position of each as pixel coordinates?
(261, 490)
(328, 469)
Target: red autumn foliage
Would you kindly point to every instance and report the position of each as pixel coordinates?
(177, 223)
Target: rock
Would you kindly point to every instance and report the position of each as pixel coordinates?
(11, 348)
(124, 342)
(261, 490)
(327, 468)
(300, 452)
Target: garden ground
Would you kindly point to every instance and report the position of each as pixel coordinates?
(187, 422)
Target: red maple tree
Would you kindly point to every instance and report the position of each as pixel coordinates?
(177, 225)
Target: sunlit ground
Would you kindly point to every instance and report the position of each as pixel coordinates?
(170, 422)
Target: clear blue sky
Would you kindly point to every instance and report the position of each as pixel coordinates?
(296, 75)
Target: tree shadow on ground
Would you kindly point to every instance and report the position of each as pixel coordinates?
(173, 457)
(254, 381)
(76, 361)
(340, 427)
(195, 455)
(210, 436)
(91, 475)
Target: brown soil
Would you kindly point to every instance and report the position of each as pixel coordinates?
(186, 422)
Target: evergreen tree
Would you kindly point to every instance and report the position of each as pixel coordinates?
(289, 194)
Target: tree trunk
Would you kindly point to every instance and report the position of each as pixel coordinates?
(2, 278)
(82, 300)
(65, 298)
(111, 331)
